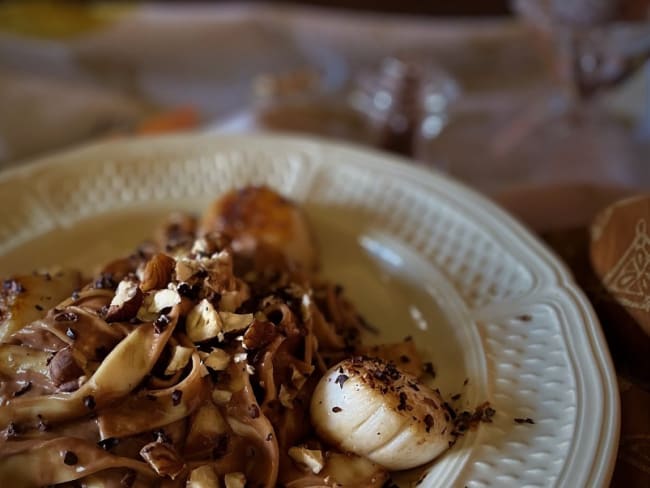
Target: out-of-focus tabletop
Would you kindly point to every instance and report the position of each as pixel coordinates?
(113, 70)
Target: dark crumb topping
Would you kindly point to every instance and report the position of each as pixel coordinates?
(161, 436)
(67, 317)
(176, 397)
(105, 281)
(70, 458)
(336, 409)
(221, 446)
(108, 443)
(89, 402)
(161, 323)
(38, 307)
(428, 369)
(402, 401)
(455, 397)
(525, 317)
(465, 420)
(12, 287)
(13, 429)
(428, 422)
(253, 411)
(526, 420)
(340, 379)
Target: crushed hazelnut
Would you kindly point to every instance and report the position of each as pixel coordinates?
(309, 458)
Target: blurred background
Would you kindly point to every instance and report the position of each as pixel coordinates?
(542, 90)
(543, 105)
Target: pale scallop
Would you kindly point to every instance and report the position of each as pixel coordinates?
(372, 409)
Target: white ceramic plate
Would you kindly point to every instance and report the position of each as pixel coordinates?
(419, 254)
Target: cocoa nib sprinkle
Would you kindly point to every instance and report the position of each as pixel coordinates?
(185, 290)
(43, 425)
(89, 402)
(465, 420)
(39, 307)
(104, 281)
(455, 397)
(161, 323)
(13, 287)
(108, 443)
(253, 411)
(525, 317)
(402, 401)
(428, 422)
(342, 378)
(428, 369)
(67, 317)
(220, 446)
(13, 430)
(176, 397)
(526, 420)
(70, 458)
(161, 436)
(336, 409)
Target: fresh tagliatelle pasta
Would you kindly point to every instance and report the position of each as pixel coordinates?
(213, 356)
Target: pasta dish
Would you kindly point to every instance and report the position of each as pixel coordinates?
(212, 356)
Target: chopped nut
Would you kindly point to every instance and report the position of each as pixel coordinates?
(310, 458)
(64, 367)
(203, 477)
(221, 397)
(234, 322)
(231, 300)
(286, 399)
(126, 302)
(203, 246)
(165, 299)
(179, 360)
(177, 395)
(218, 360)
(163, 458)
(259, 334)
(204, 323)
(157, 272)
(235, 480)
(297, 378)
(154, 303)
(186, 268)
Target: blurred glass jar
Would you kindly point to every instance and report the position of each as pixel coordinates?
(404, 103)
